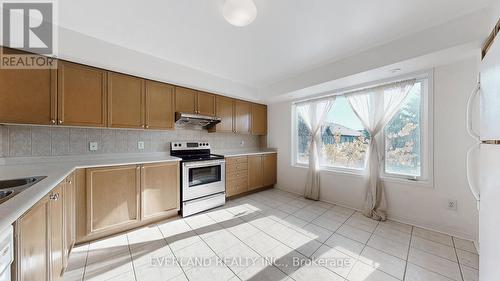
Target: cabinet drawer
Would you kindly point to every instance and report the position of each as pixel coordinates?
(237, 175)
(236, 160)
(236, 167)
(236, 186)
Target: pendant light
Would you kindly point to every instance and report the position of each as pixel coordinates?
(239, 12)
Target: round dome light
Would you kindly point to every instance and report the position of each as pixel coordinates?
(239, 12)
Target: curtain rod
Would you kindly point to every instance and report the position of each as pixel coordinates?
(340, 93)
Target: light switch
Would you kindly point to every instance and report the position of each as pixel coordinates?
(140, 145)
(93, 146)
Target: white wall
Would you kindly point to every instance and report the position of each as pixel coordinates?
(411, 203)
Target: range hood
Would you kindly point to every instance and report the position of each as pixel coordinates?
(190, 119)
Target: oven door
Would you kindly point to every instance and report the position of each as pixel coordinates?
(203, 178)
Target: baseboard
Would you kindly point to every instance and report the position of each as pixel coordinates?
(417, 223)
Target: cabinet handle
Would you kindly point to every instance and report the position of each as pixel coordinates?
(54, 197)
(53, 121)
(143, 126)
(147, 126)
(69, 182)
(138, 167)
(61, 121)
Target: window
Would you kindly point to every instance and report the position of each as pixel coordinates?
(344, 141)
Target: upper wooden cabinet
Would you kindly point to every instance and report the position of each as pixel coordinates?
(185, 100)
(81, 95)
(259, 119)
(205, 104)
(112, 198)
(159, 105)
(159, 189)
(242, 114)
(224, 108)
(28, 96)
(195, 102)
(125, 101)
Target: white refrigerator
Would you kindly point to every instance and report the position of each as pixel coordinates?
(483, 163)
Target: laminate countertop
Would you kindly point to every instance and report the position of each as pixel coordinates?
(244, 152)
(56, 169)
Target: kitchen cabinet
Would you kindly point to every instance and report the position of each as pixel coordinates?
(224, 108)
(255, 172)
(195, 102)
(32, 251)
(69, 216)
(28, 96)
(247, 173)
(242, 114)
(269, 169)
(39, 252)
(112, 198)
(57, 230)
(259, 119)
(81, 95)
(236, 175)
(205, 104)
(185, 100)
(160, 191)
(159, 105)
(125, 101)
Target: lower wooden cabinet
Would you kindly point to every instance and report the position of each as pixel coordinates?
(110, 200)
(32, 254)
(69, 216)
(246, 173)
(255, 172)
(39, 239)
(160, 189)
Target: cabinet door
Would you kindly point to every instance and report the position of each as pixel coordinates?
(69, 216)
(255, 175)
(159, 105)
(259, 119)
(32, 243)
(206, 104)
(125, 101)
(112, 198)
(224, 108)
(269, 169)
(28, 96)
(81, 95)
(242, 112)
(159, 189)
(57, 231)
(185, 100)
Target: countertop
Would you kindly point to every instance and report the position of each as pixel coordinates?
(243, 152)
(57, 169)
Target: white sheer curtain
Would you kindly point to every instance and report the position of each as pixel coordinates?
(314, 113)
(375, 107)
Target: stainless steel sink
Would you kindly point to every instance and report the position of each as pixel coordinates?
(9, 188)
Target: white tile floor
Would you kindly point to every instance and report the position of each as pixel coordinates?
(274, 235)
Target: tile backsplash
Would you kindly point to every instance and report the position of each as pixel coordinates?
(23, 141)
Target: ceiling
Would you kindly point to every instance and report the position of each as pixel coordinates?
(288, 37)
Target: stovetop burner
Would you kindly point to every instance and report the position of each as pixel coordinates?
(193, 151)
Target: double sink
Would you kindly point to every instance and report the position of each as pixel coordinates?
(10, 188)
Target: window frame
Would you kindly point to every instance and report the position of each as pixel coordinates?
(426, 135)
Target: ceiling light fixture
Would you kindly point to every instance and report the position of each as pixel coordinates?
(239, 12)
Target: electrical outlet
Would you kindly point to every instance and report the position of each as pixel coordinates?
(242, 143)
(140, 145)
(452, 205)
(93, 146)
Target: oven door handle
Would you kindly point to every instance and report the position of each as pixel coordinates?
(204, 164)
